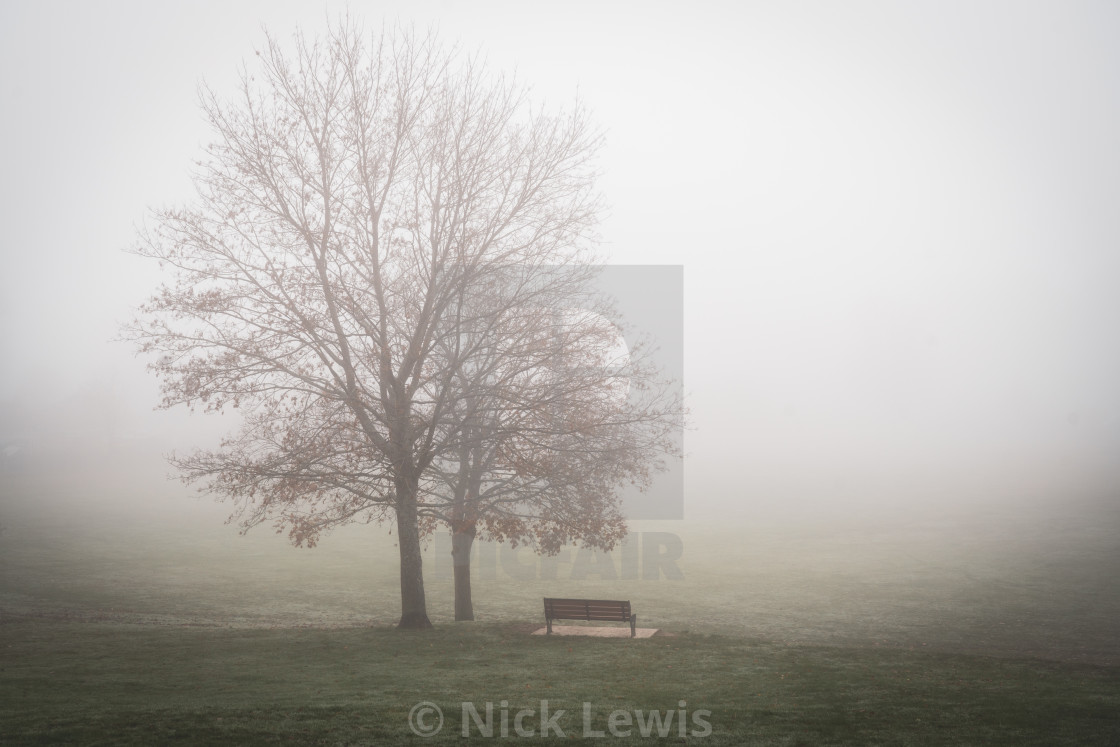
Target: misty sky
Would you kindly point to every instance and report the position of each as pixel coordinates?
(899, 223)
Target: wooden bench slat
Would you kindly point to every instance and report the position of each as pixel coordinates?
(558, 600)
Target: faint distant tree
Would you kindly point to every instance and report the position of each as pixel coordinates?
(355, 188)
(384, 271)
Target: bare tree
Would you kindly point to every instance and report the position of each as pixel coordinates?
(355, 187)
(554, 414)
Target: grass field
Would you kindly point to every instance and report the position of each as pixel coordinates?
(135, 626)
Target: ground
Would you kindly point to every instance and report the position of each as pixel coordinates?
(989, 627)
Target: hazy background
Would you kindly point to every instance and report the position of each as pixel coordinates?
(898, 224)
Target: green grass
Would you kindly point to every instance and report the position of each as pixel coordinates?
(121, 624)
(91, 683)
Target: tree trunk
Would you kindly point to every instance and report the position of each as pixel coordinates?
(414, 608)
(462, 538)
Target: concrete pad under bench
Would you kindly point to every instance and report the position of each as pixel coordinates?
(602, 632)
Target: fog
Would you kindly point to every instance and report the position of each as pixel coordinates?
(897, 226)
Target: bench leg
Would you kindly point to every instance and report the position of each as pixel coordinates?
(633, 625)
(548, 623)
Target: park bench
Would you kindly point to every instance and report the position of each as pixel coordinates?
(589, 609)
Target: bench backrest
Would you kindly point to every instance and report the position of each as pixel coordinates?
(587, 609)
